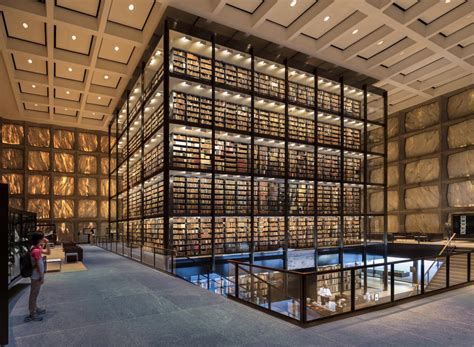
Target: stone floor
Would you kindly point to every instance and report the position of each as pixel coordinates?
(118, 302)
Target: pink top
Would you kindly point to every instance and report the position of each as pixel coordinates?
(37, 259)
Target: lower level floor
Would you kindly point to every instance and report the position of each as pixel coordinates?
(118, 302)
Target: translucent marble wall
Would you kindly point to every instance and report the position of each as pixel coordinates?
(59, 173)
(432, 178)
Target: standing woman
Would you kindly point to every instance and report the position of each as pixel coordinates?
(39, 247)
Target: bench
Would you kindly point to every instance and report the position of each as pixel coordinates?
(55, 261)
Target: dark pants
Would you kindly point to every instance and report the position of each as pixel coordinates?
(34, 292)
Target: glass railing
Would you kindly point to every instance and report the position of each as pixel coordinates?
(308, 297)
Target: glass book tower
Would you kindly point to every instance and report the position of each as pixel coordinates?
(218, 151)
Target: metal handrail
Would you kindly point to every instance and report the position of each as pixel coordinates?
(427, 272)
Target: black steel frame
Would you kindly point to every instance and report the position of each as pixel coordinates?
(4, 264)
(167, 234)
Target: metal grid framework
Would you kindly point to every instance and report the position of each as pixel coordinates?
(32, 190)
(118, 225)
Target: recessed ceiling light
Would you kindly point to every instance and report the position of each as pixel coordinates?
(106, 77)
(30, 61)
(93, 113)
(25, 25)
(447, 1)
(68, 92)
(65, 109)
(36, 104)
(379, 43)
(355, 31)
(293, 3)
(327, 18)
(99, 97)
(33, 86)
(69, 69)
(131, 7)
(116, 48)
(74, 37)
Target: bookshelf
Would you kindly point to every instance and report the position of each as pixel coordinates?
(219, 151)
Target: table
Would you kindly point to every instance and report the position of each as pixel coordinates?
(55, 261)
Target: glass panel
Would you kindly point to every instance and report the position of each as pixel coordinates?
(14, 181)
(65, 231)
(15, 203)
(104, 165)
(87, 164)
(375, 233)
(372, 286)
(375, 139)
(407, 278)
(87, 186)
(40, 206)
(63, 208)
(87, 208)
(435, 274)
(457, 269)
(375, 107)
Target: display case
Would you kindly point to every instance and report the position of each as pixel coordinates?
(252, 155)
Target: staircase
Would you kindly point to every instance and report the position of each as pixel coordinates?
(457, 273)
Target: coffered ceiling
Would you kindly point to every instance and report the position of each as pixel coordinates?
(415, 49)
(68, 61)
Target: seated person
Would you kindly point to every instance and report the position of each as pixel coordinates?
(325, 294)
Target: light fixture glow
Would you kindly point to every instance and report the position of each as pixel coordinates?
(106, 77)
(131, 7)
(69, 69)
(25, 25)
(68, 92)
(355, 31)
(74, 37)
(99, 97)
(293, 3)
(30, 61)
(447, 1)
(116, 48)
(379, 43)
(36, 105)
(33, 86)
(327, 18)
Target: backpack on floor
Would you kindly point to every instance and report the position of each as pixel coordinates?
(26, 266)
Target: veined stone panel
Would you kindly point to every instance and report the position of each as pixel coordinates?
(87, 209)
(64, 162)
(393, 224)
(461, 194)
(87, 164)
(87, 186)
(392, 176)
(422, 144)
(15, 203)
(422, 223)
(63, 139)
(104, 166)
(12, 158)
(424, 170)
(422, 197)
(461, 134)
(461, 164)
(88, 142)
(40, 206)
(12, 134)
(392, 127)
(104, 209)
(392, 151)
(38, 161)
(422, 117)
(38, 137)
(63, 208)
(14, 181)
(38, 184)
(63, 185)
(104, 144)
(376, 201)
(392, 200)
(461, 104)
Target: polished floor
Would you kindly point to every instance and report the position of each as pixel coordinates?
(118, 302)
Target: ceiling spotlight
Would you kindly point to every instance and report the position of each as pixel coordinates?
(293, 3)
(65, 109)
(447, 1)
(327, 18)
(99, 97)
(116, 48)
(131, 7)
(36, 105)
(68, 92)
(69, 69)
(379, 43)
(33, 86)
(355, 31)
(74, 37)
(30, 61)
(25, 25)
(106, 77)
